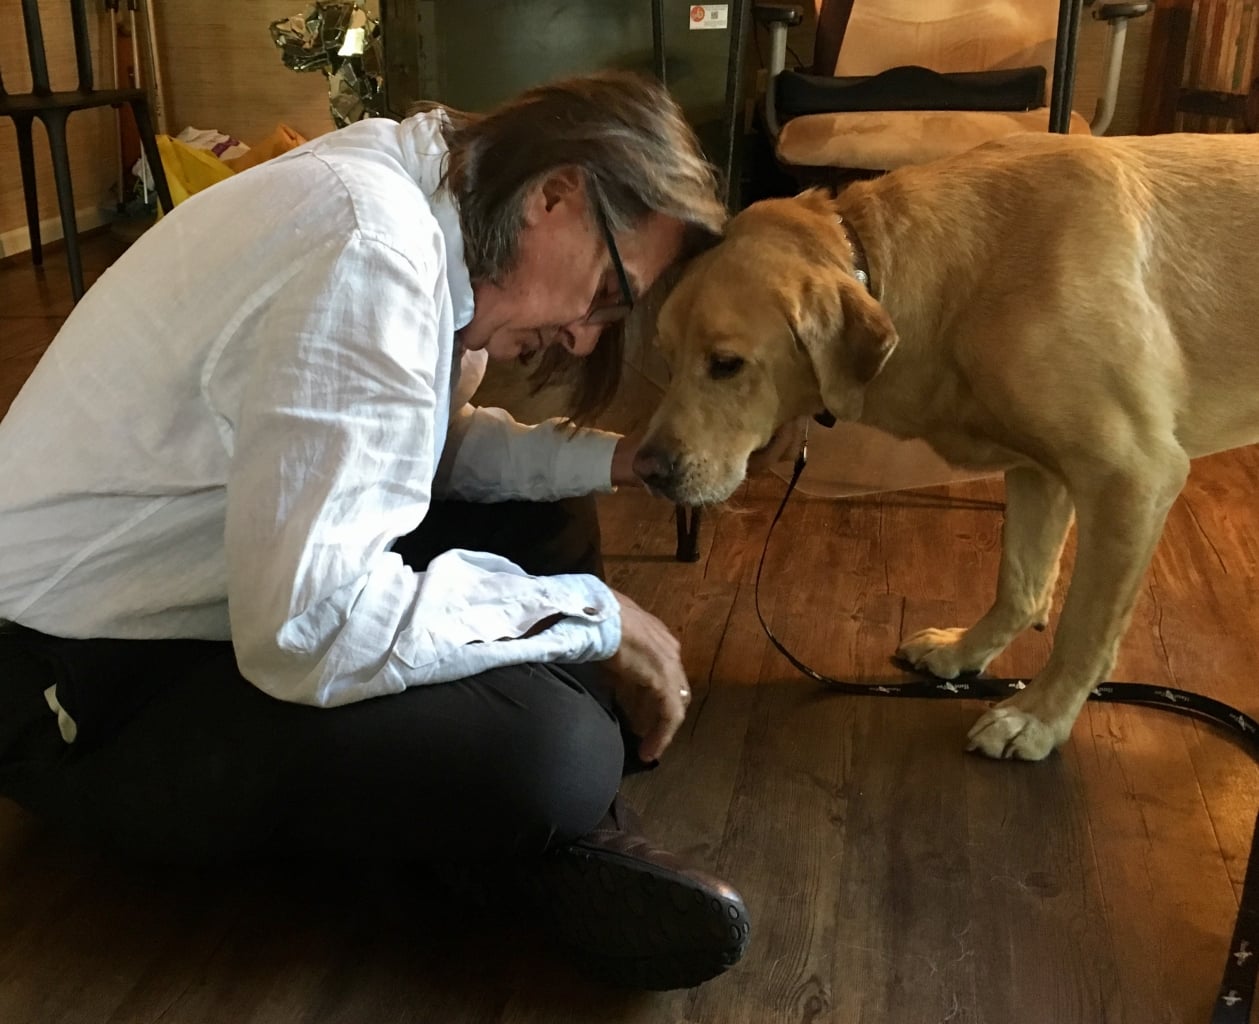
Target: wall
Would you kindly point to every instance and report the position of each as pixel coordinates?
(223, 71)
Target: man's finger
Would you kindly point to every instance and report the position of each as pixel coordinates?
(672, 715)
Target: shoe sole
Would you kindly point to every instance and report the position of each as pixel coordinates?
(634, 924)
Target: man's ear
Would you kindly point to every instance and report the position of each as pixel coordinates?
(847, 336)
(558, 185)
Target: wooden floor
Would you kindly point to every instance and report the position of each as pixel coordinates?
(892, 878)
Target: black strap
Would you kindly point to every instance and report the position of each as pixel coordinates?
(1237, 989)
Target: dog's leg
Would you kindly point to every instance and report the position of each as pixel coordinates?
(1037, 516)
(1121, 515)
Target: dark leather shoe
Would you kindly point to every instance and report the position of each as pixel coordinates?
(637, 916)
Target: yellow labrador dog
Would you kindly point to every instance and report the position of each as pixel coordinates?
(1080, 313)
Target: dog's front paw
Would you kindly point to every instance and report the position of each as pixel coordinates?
(1010, 732)
(942, 652)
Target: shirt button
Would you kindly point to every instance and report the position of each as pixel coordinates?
(590, 610)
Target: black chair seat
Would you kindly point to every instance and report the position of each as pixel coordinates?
(910, 87)
(74, 99)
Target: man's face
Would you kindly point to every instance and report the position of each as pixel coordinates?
(565, 286)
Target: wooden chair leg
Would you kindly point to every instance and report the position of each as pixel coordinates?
(148, 142)
(688, 534)
(55, 122)
(26, 158)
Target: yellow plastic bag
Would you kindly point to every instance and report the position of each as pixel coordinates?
(189, 170)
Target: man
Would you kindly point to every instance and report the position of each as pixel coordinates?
(252, 536)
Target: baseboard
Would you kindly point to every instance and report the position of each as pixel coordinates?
(19, 239)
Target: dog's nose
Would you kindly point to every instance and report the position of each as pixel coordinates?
(656, 468)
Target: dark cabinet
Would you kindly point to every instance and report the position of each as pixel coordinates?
(472, 54)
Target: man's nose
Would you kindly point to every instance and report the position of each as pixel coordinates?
(657, 468)
(581, 339)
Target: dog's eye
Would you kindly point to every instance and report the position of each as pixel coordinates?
(723, 367)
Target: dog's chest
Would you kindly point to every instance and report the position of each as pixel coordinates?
(943, 414)
(970, 451)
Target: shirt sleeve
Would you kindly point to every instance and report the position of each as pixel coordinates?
(491, 457)
(334, 451)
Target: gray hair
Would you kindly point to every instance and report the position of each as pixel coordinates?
(632, 143)
(622, 130)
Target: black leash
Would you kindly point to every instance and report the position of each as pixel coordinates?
(1237, 989)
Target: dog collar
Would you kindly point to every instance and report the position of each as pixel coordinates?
(860, 265)
(861, 271)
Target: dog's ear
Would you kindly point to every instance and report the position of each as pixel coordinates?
(847, 335)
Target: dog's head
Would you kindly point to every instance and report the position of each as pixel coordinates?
(768, 326)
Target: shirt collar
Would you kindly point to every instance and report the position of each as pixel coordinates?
(425, 155)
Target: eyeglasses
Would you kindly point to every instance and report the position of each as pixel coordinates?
(613, 312)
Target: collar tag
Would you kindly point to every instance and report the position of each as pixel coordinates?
(860, 266)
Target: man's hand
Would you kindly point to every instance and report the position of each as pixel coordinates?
(623, 474)
(651, 687)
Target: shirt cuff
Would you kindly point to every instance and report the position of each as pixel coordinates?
(583, 462)
(599, 624)
(589, 631)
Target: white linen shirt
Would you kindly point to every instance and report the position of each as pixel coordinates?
(235, 424)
